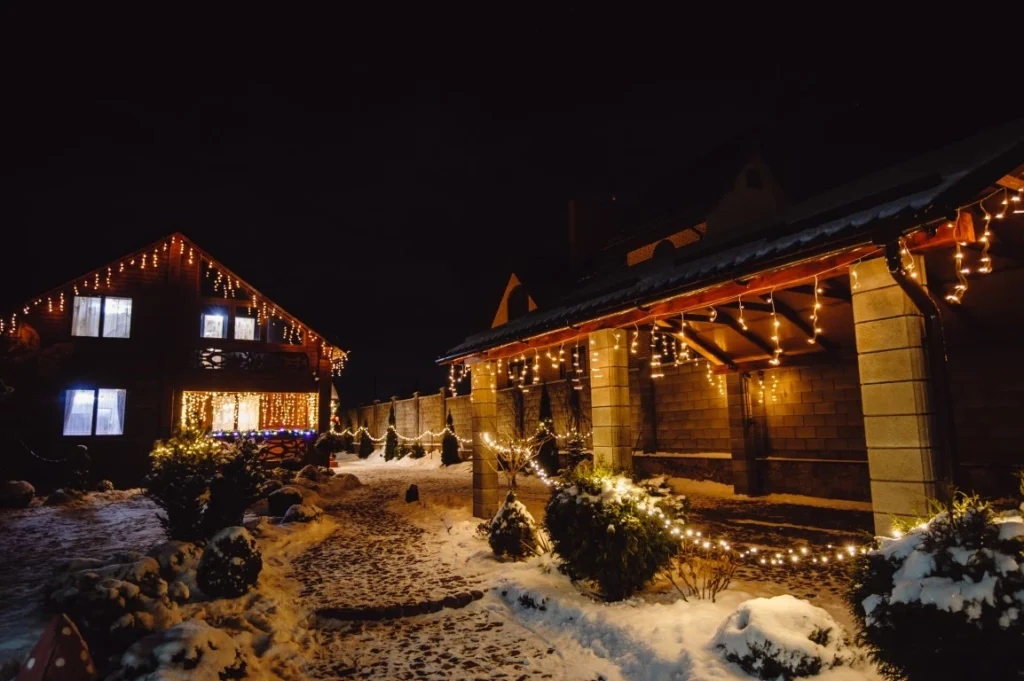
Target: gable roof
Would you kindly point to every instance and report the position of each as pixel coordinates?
(903, 197)
(153, 254)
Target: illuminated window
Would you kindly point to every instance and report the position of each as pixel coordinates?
(245, 328)
(248, 412)
(103, 408)
(110, 412)
(117, 317)
(85, 318)
(214, 323)
(224, 412)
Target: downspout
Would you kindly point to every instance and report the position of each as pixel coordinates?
(938, 373)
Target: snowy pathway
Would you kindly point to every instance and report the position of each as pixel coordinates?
(34, 541)
(379, 558)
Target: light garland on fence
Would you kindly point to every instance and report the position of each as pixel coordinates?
(419, 438)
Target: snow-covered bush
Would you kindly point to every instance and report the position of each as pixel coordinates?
(230, 565)
(513, 531)
(608, 530)
(282, 475)
(450, 444)
(280, 501)
(945, 599)
(175, 558)
(192, 649)
(59, 497)
(235, 487)
(180, 470)
(302, 513)
(416, 451)
(16, 494)
(104, 486)
(782, 638)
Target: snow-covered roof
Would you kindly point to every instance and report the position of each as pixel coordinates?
(900, 198)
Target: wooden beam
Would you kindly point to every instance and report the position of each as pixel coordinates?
(704, 348)
(794, 318)
(826, 291)
(751, 337)
(807, 358)
(717, 294)
(1011, 182)
(755, 305)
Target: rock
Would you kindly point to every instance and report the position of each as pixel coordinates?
(60, 497)
(412, 494)
(301, 513)
(230, 565)
(343, 481)
(16, 494)
(175, 558)
(191, 649)
(309, 473)
(305, 483)
(104, 486)
(291, 463)
(178, 592)
(269, 487)
(280, 501)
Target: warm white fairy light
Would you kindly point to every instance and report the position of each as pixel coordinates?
(656, 369)
(742, 322)
(636, 339)
(815, 329)
(985, 266)
(960, 288)
(775, 331)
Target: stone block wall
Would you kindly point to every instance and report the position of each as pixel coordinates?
(691, 415)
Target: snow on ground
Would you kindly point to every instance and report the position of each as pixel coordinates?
(35, 539)
(532, 621)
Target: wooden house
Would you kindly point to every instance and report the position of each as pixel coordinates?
(163, 337)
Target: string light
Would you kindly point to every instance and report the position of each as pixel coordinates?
(856, 278)
(986, 240)
(816, 330)
(960, 288)
(743, 323)
(774, 361)
(656, 370)
(636, 340)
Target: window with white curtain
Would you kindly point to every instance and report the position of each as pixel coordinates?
(78, 408)
(213, 325)
(110, 411)
(245, 328)
(85, 316)
(248, 412)
(117, 317)
(223, 412)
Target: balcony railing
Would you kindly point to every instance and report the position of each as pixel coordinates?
(249, 360)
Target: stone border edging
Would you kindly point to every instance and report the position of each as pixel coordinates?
(398, 611)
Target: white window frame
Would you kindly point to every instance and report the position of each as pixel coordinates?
(119, 394)
(100, 328)
(250, 321)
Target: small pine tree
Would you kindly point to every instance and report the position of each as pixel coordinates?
(349, 438)
(391, 438)
(547, 457)
(365, 443)
(450, 444)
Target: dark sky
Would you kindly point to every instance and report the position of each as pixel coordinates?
(383, 199)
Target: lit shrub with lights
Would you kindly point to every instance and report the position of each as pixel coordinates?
(608, 530)
(513, 531)
(236, 486)
(450, 444)
(180, 470)
(945, 599)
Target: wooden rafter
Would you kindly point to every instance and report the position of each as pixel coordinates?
(763, 345)
(1011, 182)
(702, 347)
(827, 291)
(754, 305)
(793, 317)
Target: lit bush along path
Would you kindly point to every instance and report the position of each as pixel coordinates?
(361, 576)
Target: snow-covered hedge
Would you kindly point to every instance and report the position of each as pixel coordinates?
(230, 565)
(190, 650)
(609, 530)
(16, 494)
(513, 531)
(944, 600)
(782, 638)
(302, 513)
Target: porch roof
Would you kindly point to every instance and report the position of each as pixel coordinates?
(904, 197)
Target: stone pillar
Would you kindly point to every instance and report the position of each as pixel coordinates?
(898, 429)
(484, 397)
(745, 479)
(609, 399)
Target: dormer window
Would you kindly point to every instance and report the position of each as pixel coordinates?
(214, 323)
(105, 316)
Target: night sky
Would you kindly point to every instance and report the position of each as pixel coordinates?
(383, 199)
